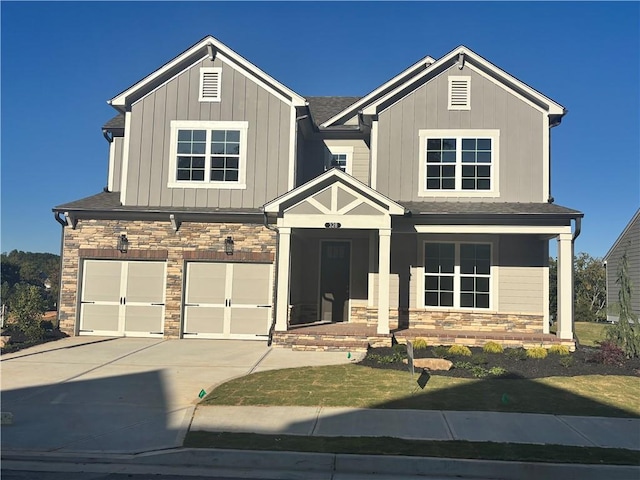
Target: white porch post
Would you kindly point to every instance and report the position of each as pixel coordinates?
(384, 265)
(282, 292)
(565, 287)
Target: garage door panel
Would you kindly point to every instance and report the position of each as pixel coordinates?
(204, 320)
(251, 284)
(102, 281)
(206, 283)
(100, 317)
(250, 321)
(145, 282)
(143, 319)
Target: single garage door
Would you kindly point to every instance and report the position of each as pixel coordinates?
(228, 300)
(122, 298)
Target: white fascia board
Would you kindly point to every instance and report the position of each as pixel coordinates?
(297, 100)
(500, 75)
(495, 229)
(363, 101)
(394, 208)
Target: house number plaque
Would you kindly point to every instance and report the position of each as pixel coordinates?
(332, 225)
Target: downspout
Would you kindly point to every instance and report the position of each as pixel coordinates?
(63, 223)
(275, 277)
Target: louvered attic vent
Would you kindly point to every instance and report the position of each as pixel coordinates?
(210, 84)
(459, 93)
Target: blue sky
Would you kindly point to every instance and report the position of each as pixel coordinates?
(62, 61)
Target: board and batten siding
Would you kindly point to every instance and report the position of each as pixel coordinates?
(242, 99)
(117, 145)
(521, 155)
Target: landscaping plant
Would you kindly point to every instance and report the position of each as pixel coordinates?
(625, 332)
(492, 347)
(459, 350)
(420, 344)
(537, 352)
(561, 350)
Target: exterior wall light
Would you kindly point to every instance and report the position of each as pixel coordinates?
(123, 243)
(228, 246)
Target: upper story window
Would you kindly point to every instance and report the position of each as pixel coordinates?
(208, 154)
(210, 80)
(339, 157)
(458, 163)
(459, 93)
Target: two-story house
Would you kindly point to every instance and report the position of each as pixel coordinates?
(236, 208)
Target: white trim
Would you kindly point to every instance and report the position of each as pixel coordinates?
(374, 155)
(622, 235)
(203, 72)
(384, 273)
(545, 295)
(546, 159)
(362, 222)
(283, 260)
(501, 76)
(459, 78)
(426, 61)
(495, 229)
(335, 240)
(124, 173)
(240, 184)
(340, 150)
(493, 134)
(112, 158)
(565, 287)
(221, 50)
(293, 141)
(373, 254)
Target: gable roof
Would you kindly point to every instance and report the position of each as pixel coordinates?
(464, 55)
(208, 46)
(383, 89)
(634, 219)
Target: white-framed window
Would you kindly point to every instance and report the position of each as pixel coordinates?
(208, 154)
(459, 163)
(210, 84)
(457, 275)
(459, 93)
(339, 157)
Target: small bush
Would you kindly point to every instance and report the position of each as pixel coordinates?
(567, 362)
(459, 350)
(463, 365)
(479, 372)
(497, 371)
(561, 350)
(480, 359)
(386, 359)
(492, 347)
(420, 344)
(609, 353)
(400, 348)
(517, 354)
(440, 351)
(537, 352)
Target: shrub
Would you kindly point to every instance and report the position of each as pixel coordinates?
(27, 308)
(497, 371)
(517, 354)
(420, 344)
(492, 347)
(479, 372)
(459, 350)
(567, 362)
(400, 348)
(561, 350)
(480, 359)
(537, 352)
(463, 365)
(609, 353)
(386, 359)
(440, 351)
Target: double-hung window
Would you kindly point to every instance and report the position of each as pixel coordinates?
(458, 162)
(457, 275)
(208, 154)
(339, 157)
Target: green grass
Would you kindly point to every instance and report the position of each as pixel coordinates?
(423, 448)
(589, 333)
(364, 387)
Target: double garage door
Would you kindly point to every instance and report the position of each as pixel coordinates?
(221, 300)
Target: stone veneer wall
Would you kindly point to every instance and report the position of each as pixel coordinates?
(156, 241)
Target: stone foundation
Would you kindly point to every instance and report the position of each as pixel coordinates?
(156, 241)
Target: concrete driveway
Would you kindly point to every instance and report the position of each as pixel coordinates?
(123, 395)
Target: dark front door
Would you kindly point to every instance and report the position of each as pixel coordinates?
(335, 259)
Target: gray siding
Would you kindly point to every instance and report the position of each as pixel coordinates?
(242, 100)
(117, 144)
(492, 107)
(629, 241)
(360, 158)
(315, 152)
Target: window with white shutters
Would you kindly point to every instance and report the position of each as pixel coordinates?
(210, 79)
(459, 93)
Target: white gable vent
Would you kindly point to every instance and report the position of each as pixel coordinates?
(459, 93)
(210, 78)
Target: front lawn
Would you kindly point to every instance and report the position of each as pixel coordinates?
(590, 333)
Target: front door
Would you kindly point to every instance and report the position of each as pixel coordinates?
(335, 261)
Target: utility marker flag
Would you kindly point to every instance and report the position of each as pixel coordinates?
(202, 393)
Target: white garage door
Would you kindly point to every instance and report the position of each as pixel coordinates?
(122, 298)
(228, 300)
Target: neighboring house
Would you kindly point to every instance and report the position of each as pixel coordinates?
(236, 208)
(628, 242)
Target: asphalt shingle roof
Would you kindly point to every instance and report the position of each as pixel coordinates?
(115, 122)
(488, 208)
(323, 108)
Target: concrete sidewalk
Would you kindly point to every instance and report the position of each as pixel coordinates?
(422, 425)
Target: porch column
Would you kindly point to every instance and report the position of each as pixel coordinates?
(565, 287)
(282, 291)
(384, 264)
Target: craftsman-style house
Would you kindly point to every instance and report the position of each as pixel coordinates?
(236, 208)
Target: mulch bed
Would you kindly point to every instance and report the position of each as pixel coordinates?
(582, 363)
